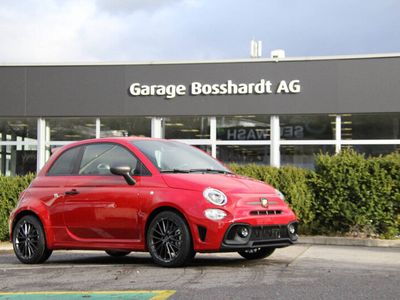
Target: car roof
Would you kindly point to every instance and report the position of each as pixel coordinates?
(113, 139)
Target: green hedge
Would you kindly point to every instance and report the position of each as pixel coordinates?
(10, 188)
(357, 194)
(346, 194)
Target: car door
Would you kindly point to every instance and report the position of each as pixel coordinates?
(98, 204)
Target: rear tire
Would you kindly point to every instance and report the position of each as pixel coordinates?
(117, 253)
(169, 240)
(256, 253)
(29, 241)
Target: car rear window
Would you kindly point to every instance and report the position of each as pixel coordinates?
(65, 163)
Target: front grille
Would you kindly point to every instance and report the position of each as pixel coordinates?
(265, 212)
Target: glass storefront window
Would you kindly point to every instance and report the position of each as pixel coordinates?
(18, 129)
(243, 128)
(373, 150)
(17, 160)
(371, 126)
(303, 155)
(244, 154)
(307, 127)
(71, 129)
(127, 126)
(187, 128)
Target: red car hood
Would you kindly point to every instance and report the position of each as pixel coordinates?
(226, 183)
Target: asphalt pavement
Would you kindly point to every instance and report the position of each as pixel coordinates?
(297, 272)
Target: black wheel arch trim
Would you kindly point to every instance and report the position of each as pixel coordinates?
(160, 209)
(27, 212)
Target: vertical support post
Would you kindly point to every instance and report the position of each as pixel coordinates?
(47, 155)
(275, 158)
(213, 136)
(98, 127)
(157, 127)
(338, 134)
(41, 143)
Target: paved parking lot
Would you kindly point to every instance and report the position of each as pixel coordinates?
(297, 272)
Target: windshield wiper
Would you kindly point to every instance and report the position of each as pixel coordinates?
(210, 171)
(175, 171)
(196, 171)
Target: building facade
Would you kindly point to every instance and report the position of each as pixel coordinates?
(264, 111)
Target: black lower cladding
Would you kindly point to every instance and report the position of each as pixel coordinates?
(260, 236)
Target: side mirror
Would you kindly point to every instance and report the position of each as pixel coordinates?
(124, 171)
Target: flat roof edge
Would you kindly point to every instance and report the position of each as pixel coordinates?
(247, 60)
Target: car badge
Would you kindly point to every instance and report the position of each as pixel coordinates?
(264, 202)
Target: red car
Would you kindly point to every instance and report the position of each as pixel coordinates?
(141, 194)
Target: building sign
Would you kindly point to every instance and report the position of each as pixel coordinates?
(228, 88)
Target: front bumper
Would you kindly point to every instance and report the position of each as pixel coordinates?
(276, 236)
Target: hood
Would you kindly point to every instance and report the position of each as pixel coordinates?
(227, 183)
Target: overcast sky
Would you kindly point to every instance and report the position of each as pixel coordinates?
(160, 30)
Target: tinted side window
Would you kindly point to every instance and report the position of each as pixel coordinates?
(98, 158)
(65, 164)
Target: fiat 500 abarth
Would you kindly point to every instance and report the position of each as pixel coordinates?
(141, 194)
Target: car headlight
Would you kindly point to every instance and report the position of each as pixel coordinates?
(279, 193)
(215, 196)
(214, 214)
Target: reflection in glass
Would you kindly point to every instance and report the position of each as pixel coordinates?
(308, 127)
(370, 126)
(243, 128)
(244, 154)
(18, 129)
(303, 155)
(71, 129)
(17, 160)
(187, 128)
(373, 150)
(131, 126)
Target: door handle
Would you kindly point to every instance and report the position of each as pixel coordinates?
(72, 192)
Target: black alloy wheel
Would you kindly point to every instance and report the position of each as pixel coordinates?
(169, 240)
(256, 253)
(117, 253)
(29, 241)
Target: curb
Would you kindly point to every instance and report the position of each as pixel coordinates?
(6, 246)
(348, 241)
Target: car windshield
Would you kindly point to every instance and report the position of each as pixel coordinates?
(175, 157)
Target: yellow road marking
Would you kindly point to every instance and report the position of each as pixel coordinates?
(160, 294)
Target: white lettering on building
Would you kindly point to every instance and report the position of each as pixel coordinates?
(171, 91)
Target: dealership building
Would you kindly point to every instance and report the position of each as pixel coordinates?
(276, 111)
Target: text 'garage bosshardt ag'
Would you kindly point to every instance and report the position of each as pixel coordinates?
(229, 88)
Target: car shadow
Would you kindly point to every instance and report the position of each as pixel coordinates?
(140, 259)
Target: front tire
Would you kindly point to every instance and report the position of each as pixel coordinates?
(256, 253)
(169, 240)
(29, 241)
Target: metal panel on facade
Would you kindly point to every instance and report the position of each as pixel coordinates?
(327, 86)
(12, 91)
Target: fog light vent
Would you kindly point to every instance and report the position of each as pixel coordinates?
(202, 232)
